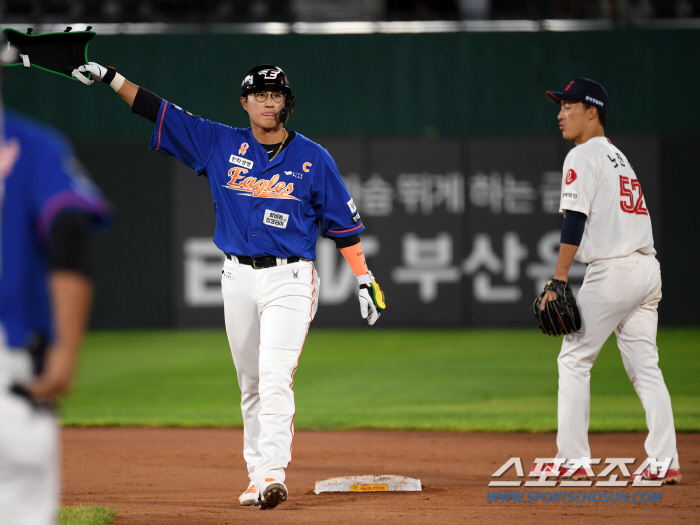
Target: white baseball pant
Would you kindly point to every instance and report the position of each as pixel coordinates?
(268, 313)
(29, 450)
(620, 295)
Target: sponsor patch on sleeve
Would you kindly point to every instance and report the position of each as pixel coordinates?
(183, 110)
(351, 205)
(356, 218)
(276, 219)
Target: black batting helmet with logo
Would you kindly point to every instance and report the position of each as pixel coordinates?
(266, 76)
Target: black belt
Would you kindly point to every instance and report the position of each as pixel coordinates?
(261, 262)
(22, 392)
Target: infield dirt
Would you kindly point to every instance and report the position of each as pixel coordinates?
(153, 476)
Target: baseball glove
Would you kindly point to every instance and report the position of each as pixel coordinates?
(560, 316)
(61, 53)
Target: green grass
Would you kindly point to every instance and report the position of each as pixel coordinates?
(465, 380)
(85, 516)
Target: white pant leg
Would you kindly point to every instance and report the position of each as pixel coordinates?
(288, 306)
(29, 455)
(243, 331)
(604, 300)
(636, 338)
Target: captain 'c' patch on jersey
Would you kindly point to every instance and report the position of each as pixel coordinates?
(263, 188)
(244, 147)
(306, 166)
(570, 176)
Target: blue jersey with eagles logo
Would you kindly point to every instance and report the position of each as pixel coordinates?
(39, 179)
(262, 207)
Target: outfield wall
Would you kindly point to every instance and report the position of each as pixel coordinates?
(459, 232)
(451, 84)
(432, 114)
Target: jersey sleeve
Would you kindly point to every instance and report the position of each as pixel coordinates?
(335, 209)
(579, 182)
(187, 137)
(59, 183)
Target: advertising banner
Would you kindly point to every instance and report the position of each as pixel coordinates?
(459, 231)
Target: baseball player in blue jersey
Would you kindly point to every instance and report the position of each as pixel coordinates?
(47, 207)
(273, 189)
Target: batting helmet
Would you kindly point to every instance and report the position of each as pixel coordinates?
(267, 75)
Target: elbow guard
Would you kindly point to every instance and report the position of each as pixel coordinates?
(146, 104)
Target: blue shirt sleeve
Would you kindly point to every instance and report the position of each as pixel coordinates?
(335, 209)
(58, 183)
(187, 137)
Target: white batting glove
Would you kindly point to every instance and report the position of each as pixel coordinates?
(95, 69)
(101, 73)
(372, 302)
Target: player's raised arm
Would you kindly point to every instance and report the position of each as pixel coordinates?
(179, 133)
(142, 101)
(117, 82)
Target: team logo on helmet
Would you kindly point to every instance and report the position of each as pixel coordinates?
(247, 80)
(244, 147)
(269, 73)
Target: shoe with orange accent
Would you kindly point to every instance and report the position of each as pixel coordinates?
(672, 476)
(273, 493)
(250, 496)
(558, 473)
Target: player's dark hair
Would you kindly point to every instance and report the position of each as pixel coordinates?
(602, 115)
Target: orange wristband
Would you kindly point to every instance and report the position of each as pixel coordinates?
(356, 259)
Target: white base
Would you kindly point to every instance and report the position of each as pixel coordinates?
(368, 484)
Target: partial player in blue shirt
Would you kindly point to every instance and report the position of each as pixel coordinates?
(274, 190)
(42, 186)
(47, 210)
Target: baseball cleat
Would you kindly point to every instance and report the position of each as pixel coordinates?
(250, 496)
(273, 495)
(672, 476)
(558, 473)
